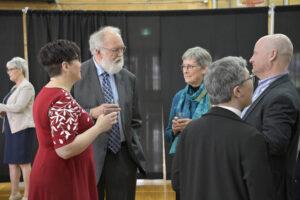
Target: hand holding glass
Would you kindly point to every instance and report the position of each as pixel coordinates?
(111, 107)
(106, 111)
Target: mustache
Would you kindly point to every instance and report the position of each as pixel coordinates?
(118, 59)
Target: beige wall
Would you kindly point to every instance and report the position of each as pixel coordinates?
(135, 4)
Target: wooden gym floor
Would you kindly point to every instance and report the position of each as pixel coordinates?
(145, 190)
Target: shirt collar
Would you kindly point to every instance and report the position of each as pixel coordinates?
(98, 67)
(234, 110)
(271, 79)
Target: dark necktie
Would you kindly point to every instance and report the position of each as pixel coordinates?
(114, 141)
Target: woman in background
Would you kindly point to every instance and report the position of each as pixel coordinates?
(18, 126)
(192, 101)
(64, 166)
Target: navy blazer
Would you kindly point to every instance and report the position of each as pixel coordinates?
(276, 114)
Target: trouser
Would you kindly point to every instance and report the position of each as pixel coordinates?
(118, 178)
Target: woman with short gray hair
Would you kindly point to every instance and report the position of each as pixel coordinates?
(192, 101)
(18, 125)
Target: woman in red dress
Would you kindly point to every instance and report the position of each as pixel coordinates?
(64, 165)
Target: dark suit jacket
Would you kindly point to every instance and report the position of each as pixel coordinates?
(276, 114)
(218, 157)
(88, 93)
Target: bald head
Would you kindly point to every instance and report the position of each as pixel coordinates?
(282, 44)
(272, 55)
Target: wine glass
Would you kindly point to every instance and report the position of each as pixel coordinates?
(180, 115)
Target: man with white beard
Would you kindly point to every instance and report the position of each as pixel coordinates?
(106, 86)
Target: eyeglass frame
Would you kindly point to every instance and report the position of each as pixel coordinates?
(116, 50)
(251, 77)
(11, 69)
(187, 67)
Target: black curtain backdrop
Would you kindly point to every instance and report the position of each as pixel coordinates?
(11, 45)
(155, 43)
(287, 22)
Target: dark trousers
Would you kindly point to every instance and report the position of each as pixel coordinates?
(297, 181)
(118, 178)
(177, 195)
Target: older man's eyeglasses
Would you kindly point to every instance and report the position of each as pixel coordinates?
(11, 69)
(251, 77)
(187, 67)
(116, 50)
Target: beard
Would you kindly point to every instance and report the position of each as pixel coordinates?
(114, 66)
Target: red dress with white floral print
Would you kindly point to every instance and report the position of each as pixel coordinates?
(59, 119)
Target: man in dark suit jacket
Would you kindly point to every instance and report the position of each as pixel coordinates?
(115, 169)
(275, 109)
(219, 156)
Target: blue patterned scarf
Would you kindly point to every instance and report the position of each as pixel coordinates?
(186, 99)
(185, 103)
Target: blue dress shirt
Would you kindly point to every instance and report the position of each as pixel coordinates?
(262, 85)
(114, 91)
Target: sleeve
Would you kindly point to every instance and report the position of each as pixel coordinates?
(169, 132)
(177, 160)
(278, 122)
(136, 120)
(257, 173)
(24, 97)
(63, 116)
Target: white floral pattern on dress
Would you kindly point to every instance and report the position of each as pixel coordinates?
(63, 115)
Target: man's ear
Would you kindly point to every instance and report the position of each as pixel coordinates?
(99, 53)
(236, 92)
(273, 54)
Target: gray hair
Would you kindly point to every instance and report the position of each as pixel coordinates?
(199, 55)
(19, 63)
(98, 37)
(222, 76)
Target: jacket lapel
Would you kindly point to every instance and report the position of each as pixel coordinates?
(274, 84)
(223, 113)
(11, 90)
(96, 82)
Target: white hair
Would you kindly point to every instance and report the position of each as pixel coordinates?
(98, 37)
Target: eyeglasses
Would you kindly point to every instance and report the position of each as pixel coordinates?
(11, 69)
(188, 67)
(251, 77)
(116, 50)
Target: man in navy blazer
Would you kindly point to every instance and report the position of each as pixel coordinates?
(275, 109)
(220, 156)
(116, 170)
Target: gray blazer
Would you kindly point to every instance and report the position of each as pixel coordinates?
(19, 107)
(88, 93)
